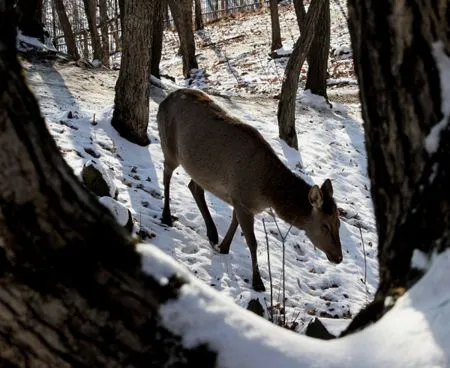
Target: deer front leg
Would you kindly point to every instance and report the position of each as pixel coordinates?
(246, 220)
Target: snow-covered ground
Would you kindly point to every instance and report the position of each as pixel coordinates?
(331, 144)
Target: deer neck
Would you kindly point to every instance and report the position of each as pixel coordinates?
(289, 197)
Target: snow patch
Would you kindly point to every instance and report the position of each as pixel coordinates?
(119, 211)
(420, 260)
(443, 64)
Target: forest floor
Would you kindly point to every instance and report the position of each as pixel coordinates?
(331, 144)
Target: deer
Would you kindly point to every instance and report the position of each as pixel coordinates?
(232, 160)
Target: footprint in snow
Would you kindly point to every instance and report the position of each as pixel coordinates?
(190, 249)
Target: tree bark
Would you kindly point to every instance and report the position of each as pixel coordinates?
(157, 36)
(131, 103)
(286, 106)
(30, 18)
(275, 21)
(198, 15)
(91, 16)
(300, 12)
(182, 16)
(69, 38)
(104, 28)
(396, 61)
(316, 80)
(72, 293)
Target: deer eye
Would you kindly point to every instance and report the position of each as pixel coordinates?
(326, 228)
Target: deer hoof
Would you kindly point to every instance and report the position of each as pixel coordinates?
(167, 221)
(259, 286)
(213, 239)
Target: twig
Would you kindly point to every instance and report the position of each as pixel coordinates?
(283, 242)
(270, 272)
(364, 251)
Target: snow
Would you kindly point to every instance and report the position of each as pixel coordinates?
(119, 211)
(331, 144)
(414, 333)
(443, 65)
(24, 43)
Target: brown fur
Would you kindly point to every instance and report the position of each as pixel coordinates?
(234, 162)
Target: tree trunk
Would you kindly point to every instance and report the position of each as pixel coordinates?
(91, 15)
(286, 106)
(300, 12)
(157, 36)
(104, 28)
(397, 61)
(198, 15)
(85, 36)
(69, 38)
(316, 80)
(72, 290)
(275, 21)
(30, 18)
(182, 17)
(117, 23)
(131, 103)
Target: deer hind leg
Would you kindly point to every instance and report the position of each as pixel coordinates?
(167, 175)
(199, 195)
(224, 247)
(246, 220)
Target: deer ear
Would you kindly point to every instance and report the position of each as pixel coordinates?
(327, 188)
(315, 197)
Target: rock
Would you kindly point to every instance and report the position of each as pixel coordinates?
(318, 330)
(120, 212)
(96, 63)
(97, 179)
(255, 306)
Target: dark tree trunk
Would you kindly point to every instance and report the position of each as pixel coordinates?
(286, 106)
(300, 12)
(117, 23)
(131, 103)
(182, 17)
(275, 21)
(402, 103)
(316, 80)
(198, 15)
(157, 36)
(30, 18)
(91, 15)
(85, 39)
(72, 293)
(104, 28)
(69, 38)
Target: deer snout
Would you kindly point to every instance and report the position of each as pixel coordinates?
(335, 258)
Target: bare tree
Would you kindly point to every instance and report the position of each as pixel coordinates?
(300, 13)
(316, 80)
(104, 28)
(131, 103)
(182, 16)
(91, 16)
(399, 52)
(157, 36)
(286, 106)
(275, 21)
(67, 29)
(198, 15)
